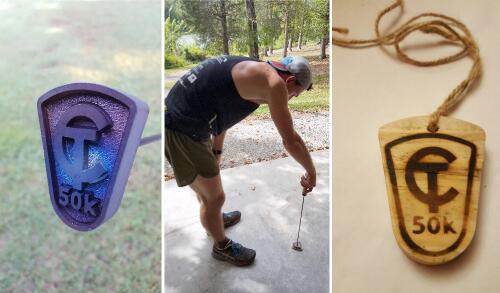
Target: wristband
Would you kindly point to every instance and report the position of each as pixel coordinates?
(216, 152)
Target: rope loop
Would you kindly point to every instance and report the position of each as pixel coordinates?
(447, 27)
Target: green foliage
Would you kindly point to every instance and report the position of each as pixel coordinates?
(173, 61)
(267, 13)
(205, 18)
(194, 54)
(174, 29)
(319, 14)
(308, 21)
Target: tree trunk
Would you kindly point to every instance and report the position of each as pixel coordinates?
(285, 45)
(291, 28)
(324, 41)
(301, 29)
(299, 41)
(223, 20)
(252, 30)
(273, 26)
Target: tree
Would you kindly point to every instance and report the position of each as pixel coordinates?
(269, 24)
(252, 30)
(320, 23)
(222, 14)
(286, 14)
(213, 21)
(174, 29)
(245, 26)
(291, 24)
(301, 26)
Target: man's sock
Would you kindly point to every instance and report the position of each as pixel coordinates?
(222, 244)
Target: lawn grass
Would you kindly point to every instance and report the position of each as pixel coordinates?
(311, 101)
(170, 83)
(178, 70)
(317, 99)
(307, 51)
(47, 44)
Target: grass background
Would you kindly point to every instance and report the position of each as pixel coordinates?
(44, 45)
(316, 99)
(313, 100)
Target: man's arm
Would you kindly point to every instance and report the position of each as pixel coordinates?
(293, 143)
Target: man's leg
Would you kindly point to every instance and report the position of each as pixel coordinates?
(211, 194)
(229, 219)
(203, 210)
(212, 199)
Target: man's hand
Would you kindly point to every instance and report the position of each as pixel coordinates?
(219, 159)
(308, 182)
(218, 144)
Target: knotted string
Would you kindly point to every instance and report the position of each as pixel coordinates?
(447, 27)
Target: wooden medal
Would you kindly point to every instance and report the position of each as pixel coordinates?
(433, 181)
(432, 164)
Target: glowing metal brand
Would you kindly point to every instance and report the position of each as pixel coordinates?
(77, 169)
(74, 195)
(90, 135)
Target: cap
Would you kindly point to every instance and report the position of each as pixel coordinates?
(298, 66)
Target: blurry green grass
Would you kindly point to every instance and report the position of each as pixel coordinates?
(45, 45)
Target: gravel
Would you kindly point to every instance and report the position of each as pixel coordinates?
(256, 139)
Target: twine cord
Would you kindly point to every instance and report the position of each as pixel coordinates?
(447, 27)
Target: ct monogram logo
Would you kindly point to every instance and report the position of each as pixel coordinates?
(90, 135)
(77, 167)
(431, 198)
(74, 195)
(433, 182)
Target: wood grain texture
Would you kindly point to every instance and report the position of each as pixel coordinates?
(433, 182)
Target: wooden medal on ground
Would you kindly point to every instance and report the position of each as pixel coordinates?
(433, 181)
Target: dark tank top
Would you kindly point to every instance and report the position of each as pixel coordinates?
(205, 101)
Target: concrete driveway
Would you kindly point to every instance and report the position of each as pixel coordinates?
(269, 196)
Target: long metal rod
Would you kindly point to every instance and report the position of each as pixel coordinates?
(149, 139)
(300, 222)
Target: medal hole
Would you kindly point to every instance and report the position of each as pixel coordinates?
(432, 130)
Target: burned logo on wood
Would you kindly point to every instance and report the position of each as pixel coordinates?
(90, 134)
(433, 185)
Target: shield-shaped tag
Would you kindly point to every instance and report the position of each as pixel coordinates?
(90, 134)
(433, 182)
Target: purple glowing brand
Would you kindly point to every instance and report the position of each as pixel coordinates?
(90, 135)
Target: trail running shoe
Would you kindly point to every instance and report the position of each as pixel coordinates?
(231, 218)
(234, 253)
